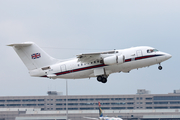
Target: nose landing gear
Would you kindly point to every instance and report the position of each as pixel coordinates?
(102, 79)
(160, 67)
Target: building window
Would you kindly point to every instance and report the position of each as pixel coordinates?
(130, 103)
(2, 105)
(40, 99)
(72, 103)
(148, 102)
(72, 108)
(175, 107)
(120, 103)
(40, 104)
(137, 98)
(160, 107)
(59, 104)
(166, 97)
(130, 107)
(86, 103)
(13, 100)
(118, 108)
(13, 105)
(119, 98)
(160, 102)
(130, 98)
(29, 100)
(148, 98)
(58, 108)
(86, 108)
(148, 107)
(28, 104)
(58, 99)
(72, 99)
(86, 99)
(105, 108)
(175, 102)
(103, 103)
(2, 100)
(102, 98)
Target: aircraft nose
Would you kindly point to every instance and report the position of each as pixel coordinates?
(168, 56)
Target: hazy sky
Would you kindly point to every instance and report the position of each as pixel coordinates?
(65, 28)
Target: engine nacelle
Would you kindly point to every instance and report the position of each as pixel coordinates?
(114, 60)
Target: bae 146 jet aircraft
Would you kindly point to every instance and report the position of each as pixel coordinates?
(100, 64)
(101, 117)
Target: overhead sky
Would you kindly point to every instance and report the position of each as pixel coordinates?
(65, 28)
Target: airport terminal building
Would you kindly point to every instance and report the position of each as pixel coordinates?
(142, 105)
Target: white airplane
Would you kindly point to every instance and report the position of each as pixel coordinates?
(101, 117)
(100, 64)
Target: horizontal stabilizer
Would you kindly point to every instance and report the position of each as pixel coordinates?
(25, 44)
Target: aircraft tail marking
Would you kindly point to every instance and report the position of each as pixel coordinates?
(100, 110)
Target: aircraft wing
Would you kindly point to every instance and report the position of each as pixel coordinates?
(92, 56)
(91, 118)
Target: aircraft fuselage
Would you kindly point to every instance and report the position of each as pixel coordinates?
(134, 58)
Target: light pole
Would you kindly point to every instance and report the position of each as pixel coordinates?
(67, 99)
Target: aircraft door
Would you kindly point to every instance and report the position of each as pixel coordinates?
(63, 68)
(139, 53)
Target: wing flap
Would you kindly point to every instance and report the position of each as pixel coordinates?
(92, 56)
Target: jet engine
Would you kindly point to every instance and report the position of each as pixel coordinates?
(114, 60)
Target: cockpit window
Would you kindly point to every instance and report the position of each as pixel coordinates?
(151, 50)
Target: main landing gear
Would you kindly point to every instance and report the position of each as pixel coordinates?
(160, 67)
(102, 79)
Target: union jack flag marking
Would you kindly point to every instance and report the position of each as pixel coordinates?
(36, 55)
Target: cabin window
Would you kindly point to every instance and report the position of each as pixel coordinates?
(94, 61)
(78, 64)
(91, 62)
(97, 61)
(81, 64)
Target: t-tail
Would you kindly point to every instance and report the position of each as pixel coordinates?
(32, 55)
(100, 110)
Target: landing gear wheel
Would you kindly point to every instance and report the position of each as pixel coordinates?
(160, 67)
(99, 78)
(104, 80)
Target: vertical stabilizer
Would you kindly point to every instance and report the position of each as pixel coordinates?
(100, 110)
(32, 55)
